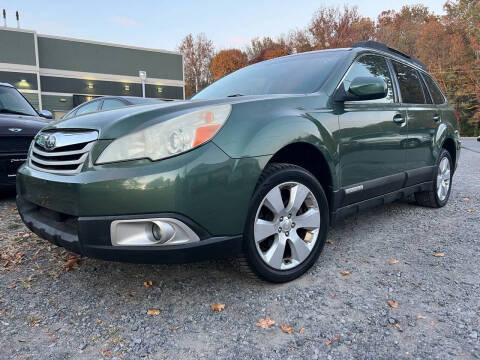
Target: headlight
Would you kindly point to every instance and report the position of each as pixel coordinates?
(168, 138)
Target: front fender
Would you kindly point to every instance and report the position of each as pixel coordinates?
(264, 128)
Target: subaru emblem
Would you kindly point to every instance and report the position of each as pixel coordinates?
(51, 142)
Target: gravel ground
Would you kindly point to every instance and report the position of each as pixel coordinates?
(55, 306)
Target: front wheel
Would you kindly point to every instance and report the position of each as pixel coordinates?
(438, 197)
(287, 223)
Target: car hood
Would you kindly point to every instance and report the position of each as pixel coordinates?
(21, 125)
(112, 124)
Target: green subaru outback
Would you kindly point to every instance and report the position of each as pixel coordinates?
(258, 165)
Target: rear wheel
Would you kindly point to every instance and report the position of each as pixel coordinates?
(287, 223)
(438, 197)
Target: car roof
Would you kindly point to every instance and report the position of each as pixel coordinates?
(383, 48)
(371, 46)
(120, 97)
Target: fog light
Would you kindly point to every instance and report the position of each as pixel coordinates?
(150, 232)
(157, 232)
(162, 231)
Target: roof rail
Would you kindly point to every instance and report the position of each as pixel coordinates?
(383, 47)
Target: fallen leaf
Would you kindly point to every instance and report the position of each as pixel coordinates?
(148, 284)
(6, 264)
(302, 331)
(330, 241)
(466, 198)
(336, 337)
(392, 304)
(265, 323)
(470, 210)
(106, 353)
(432, 323)
(71, 262)
(13, 286)
(332, 296)
(98, 321)
(217, 307)
(53, 339)
(153, 312)
(287, 329)
(421, 317)
(439, 254)
(328, 342)
(345, 272)
(393, 261)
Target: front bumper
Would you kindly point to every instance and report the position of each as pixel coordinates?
(204, 188)
(90, 236)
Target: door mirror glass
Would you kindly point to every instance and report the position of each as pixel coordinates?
(46, 114)
(368, 88)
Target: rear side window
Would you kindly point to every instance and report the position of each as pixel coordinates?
(371, 66)
(437, 95)
(410, 84)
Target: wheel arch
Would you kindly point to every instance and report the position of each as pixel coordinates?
(312, 159)
(449, 145)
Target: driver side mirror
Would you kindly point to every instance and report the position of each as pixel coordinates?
(363, 88)
(46, 114)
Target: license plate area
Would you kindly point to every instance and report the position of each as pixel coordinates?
(13, 164)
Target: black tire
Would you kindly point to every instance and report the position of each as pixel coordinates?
(430, 198)
(273, 175)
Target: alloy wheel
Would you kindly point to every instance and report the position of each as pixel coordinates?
(443, 179)
(287, 225)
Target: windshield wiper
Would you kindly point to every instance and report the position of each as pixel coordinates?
(235, 95)
(8, 111)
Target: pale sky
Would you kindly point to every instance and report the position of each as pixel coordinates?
(163, 23)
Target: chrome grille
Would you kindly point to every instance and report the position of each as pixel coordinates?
(61, 152)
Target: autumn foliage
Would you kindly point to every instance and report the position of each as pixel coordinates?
(227, 61)
(449, 45)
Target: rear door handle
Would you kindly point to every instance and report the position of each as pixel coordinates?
(436, 118)
(398, 119)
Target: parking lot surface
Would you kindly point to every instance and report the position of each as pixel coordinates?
(398, 281)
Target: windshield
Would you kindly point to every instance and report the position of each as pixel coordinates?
(300, 74)
(12, 102)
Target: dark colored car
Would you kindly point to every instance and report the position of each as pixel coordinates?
(19, 123)
(107, 103)
(260, 163)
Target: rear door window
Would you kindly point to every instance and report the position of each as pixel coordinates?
(428, 98)
(437, 95)
(410, 84)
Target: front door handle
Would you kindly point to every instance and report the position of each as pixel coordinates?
(398, 119)
(436, 118)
